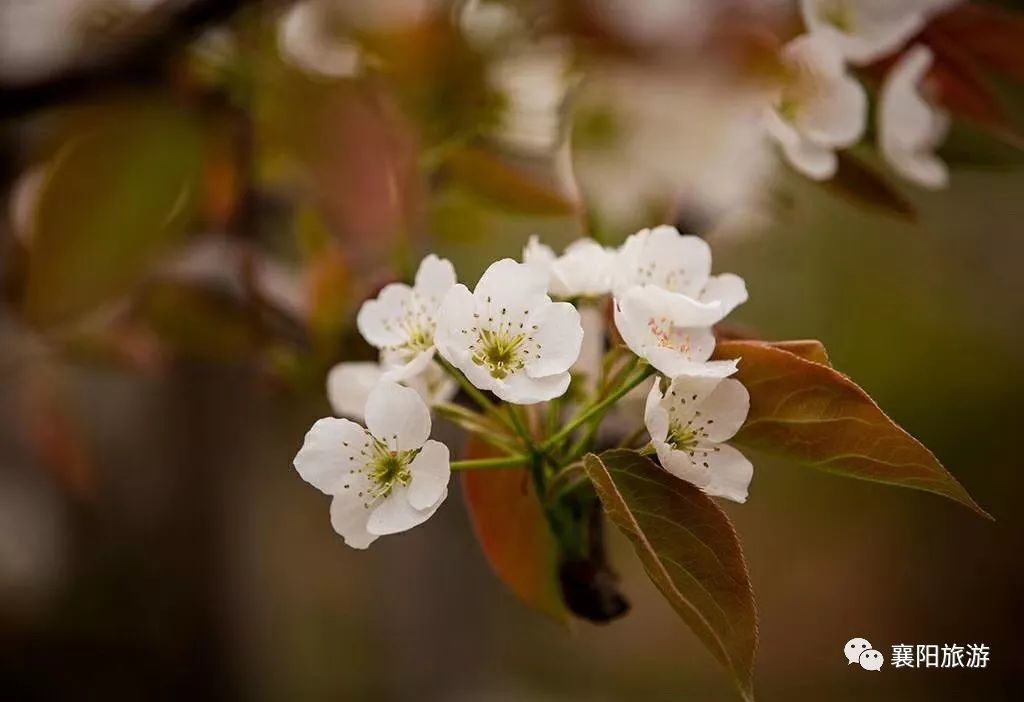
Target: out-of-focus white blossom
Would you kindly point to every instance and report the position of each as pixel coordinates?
(349, 386)
(688, 425)
(486, 23)
(308, 39)
(819, 108)
(507, 336)
(910, 127)
(583, 270)
(867, 30)
(384, 479)
(534, 81)
(647, 140)
(402, 319)
(39, 37)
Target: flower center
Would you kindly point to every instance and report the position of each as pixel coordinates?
(389, 468)
(503, 342)
(682, 437)
(500, 352)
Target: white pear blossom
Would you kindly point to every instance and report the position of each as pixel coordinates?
(583, 270)
(349, 386)
(306, 40)
(401, 320)
(909, 126)
(534, 81)
(867, 30)
(647, 138)
(688, 425)
(819, 108)
(507, 336)
(384, 479)
(681, 264)
(670, 331)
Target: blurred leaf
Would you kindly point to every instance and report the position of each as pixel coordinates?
(809, 412)
(689, 550)
(506, 185)
(971, 146)
(55, 433)
(513, 532)
(861, 185)
(199, 320)
(991, 36)
(961, 87)
(119, 193)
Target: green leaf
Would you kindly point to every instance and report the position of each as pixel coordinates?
(690, 551)
(513, 532)
(809, 412)
(120, 191)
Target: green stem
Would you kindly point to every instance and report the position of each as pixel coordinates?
(481, 463)
(520, 428)
(597, 409)
(474, 392)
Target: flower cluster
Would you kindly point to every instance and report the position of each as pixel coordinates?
(515, 341)
(821, 107)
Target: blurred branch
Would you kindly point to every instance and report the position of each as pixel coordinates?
(131, 63)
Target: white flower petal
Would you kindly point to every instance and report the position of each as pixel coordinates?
(679, 464)
(729, 473)
(455, 322)
(431, 471)
(511, 285)
(866, 30)
(349, 517)
(812, 160)
(349, 386)
(378, 320)
(395, 514)
(838, 116)
(656, 417)
(674, 364)
(647, 315)
(723, 410)
(520, 389)
(395, 370)
(435, 277)
(727, 289)
(665, 258)
(909, 127)
(397, 416)
(330, 453)
(560, 336)
(539, 256)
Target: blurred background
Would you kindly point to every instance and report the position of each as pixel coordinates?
(198, 195)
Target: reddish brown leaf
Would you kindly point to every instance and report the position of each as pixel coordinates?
(689, 550)
(808, 349)
(514, 533)
(993, 37)
(807, 411)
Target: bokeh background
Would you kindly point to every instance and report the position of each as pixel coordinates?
(201, 194)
